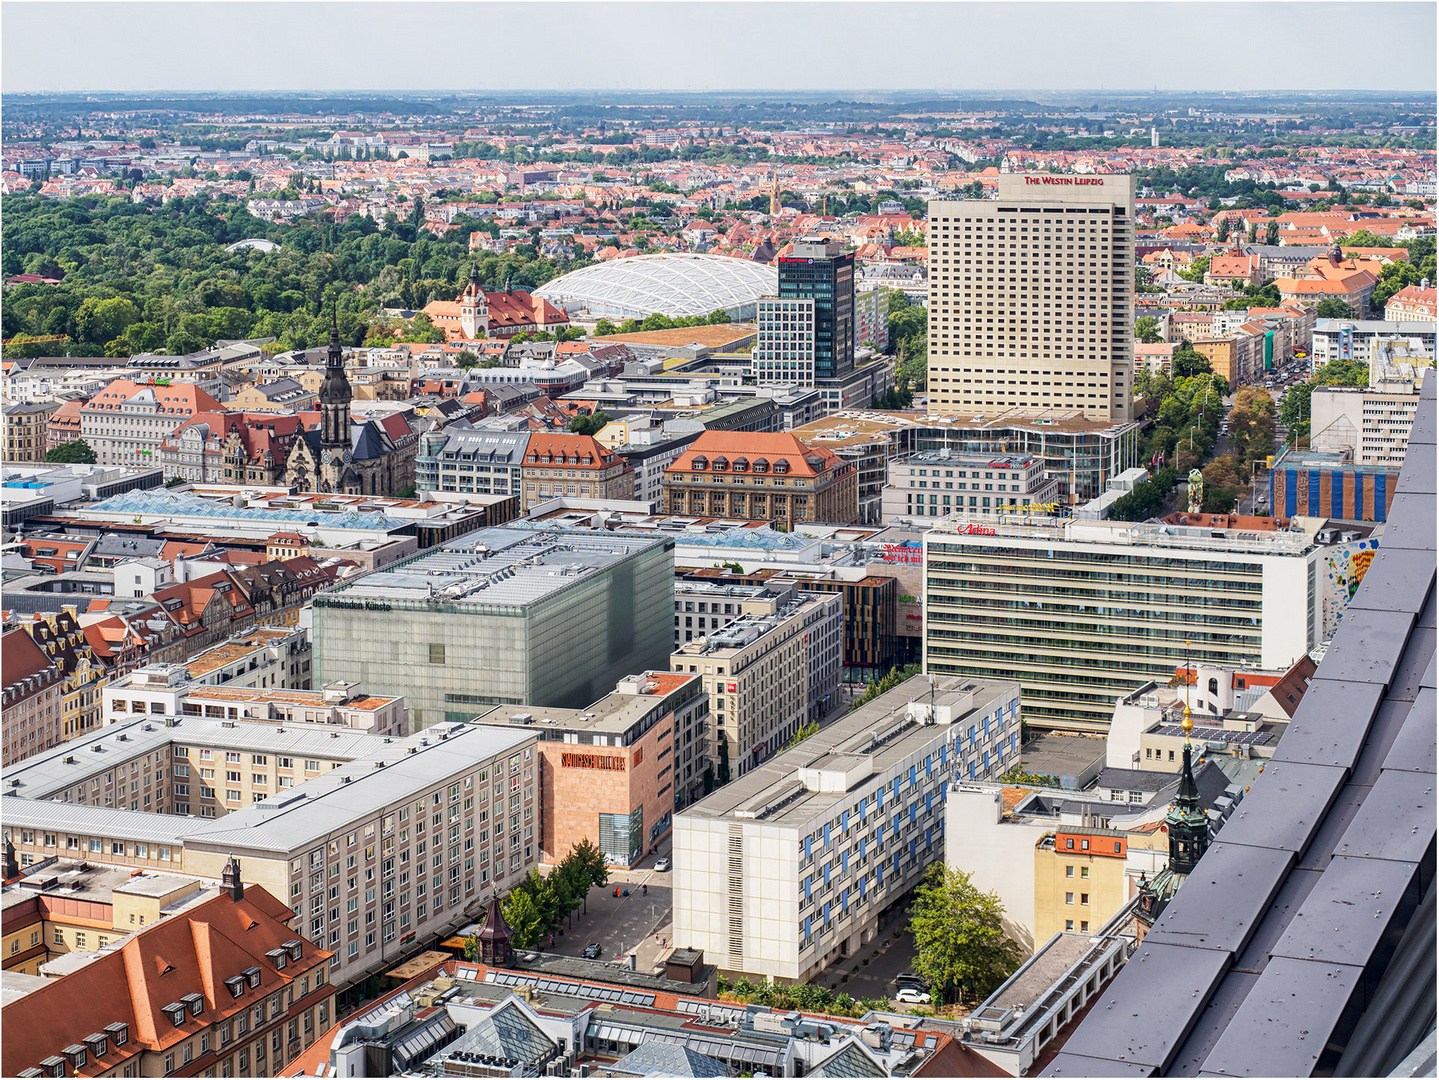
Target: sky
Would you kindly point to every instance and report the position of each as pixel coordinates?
(57, 46)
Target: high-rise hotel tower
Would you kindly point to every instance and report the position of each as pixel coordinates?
(1031, 298)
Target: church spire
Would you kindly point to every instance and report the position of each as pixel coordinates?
(335, 395)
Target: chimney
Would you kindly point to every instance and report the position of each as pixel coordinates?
(230, 880)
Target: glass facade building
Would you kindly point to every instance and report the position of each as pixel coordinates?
(502, 617)
(819, 270)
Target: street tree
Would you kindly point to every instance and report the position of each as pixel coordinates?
(1334, 309)
(1146, 329)
(960, 943)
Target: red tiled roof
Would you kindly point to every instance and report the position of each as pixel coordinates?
(190, 953)
(772, 446)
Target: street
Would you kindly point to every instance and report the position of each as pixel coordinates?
(621, 924)
(875, 975)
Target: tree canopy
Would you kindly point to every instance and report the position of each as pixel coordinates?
(137, 278)
(959, 938)
(76, 452)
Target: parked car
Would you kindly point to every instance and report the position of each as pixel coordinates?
(909, 978)
(912, 995)
(662, 865)
(592, 951)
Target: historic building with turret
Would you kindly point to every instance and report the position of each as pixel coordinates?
(342, 455)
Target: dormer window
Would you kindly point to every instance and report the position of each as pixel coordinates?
(195, 1002)
(252, 976)
(75, 1055)
(761, 465)
(53, 1066)
(740, 465)
(278, 957)
(119, 1033)
(236, 985)
(98, 1043)
(781, 466)
(699, 463)
(175, 1013)
(720, 464)
(295, 947)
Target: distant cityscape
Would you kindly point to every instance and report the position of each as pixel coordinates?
(555, 585)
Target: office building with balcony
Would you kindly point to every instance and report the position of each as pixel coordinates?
(1031, 298)
(502, 617)
(801, 861)
(1083, 613)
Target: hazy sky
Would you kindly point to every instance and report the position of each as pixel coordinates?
(51, 45)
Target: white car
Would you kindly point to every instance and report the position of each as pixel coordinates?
(912, 995)
(662, 865)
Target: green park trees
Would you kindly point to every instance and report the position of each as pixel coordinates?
(1146, 330)
(959, 938)
(137, 278)
(1334, 309)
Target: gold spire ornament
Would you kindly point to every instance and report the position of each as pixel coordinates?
(1187, 723)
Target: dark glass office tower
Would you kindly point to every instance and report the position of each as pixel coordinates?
(819, 269)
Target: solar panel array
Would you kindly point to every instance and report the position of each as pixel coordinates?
(1211, 734)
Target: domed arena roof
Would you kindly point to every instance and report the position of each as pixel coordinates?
(668, 283)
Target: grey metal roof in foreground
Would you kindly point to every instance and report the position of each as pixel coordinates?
(1304, 942)
(495, 568)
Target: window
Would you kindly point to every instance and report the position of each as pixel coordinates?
(1069, 872)
(437, 654)
(1084, 871)
(1084, 898)
(1069, 898)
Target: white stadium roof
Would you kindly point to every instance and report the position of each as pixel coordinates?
(669, 283)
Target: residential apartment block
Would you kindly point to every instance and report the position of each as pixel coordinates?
(614, 772)
(1031, 298)
(501, 617)
(27, 430)
(935, 483)
(762, 476)
(62, 639)
(1084, 612)
(791, 866)
(471, 461)
(768, 673)
(230, 989)
(372, 840)
(33, 695)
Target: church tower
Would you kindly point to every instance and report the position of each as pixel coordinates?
(474, 312)
(335, 398)
(1188, 829)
